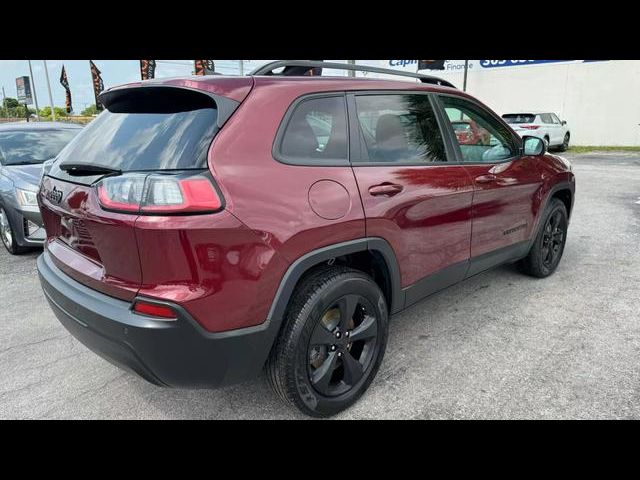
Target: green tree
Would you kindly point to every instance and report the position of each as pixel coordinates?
(45, 112)
(12, 109)
(90, 110)
(11, 103)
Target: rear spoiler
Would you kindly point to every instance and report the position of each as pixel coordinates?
(164, 98)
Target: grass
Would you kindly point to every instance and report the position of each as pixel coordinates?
(587, 149)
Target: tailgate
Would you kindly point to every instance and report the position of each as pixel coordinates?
(148, 146)
(95, 247)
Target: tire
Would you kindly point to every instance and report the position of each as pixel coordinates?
(548, 140)
(548, 246)
(7, 235)
(565, 144)
(315, 365)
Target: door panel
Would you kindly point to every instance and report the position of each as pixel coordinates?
(503, 207)
(411, 196)
(504, 183)
(428, 223)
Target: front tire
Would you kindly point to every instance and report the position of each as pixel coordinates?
(565, 143)
(548, 246)
(332, 342)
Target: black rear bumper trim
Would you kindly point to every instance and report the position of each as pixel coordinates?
(176, 353)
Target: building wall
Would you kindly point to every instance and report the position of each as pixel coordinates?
(600, 100)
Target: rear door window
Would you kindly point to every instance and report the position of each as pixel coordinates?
(399, 129)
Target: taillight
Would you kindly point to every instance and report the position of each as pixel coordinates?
(530, 127)
(159, 194)
(122, 193)
(154, 310)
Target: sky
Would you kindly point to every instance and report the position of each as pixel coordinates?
(117, 72)
(114, 72)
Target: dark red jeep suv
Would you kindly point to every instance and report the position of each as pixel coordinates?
(203, 229)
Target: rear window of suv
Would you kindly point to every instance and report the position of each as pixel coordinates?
(145, 141)
(515, 118)
(145, 129)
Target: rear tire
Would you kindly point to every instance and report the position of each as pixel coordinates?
(7, 235)
(332, 342)
(548, 246)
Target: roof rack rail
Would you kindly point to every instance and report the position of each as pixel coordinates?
(268, 69)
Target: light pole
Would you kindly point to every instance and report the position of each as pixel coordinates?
(351, 73)
(466, 68)
(33, 87)
(46, 73)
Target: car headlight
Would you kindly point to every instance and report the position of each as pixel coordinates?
(27, 198)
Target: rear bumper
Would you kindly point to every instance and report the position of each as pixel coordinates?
(169, 353)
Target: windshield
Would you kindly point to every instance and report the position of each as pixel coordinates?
(519, 118)
(27, 147)
(144, 141)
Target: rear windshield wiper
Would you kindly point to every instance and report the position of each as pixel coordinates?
(81, 169)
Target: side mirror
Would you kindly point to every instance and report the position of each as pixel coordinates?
(564, 122)
(534, 146)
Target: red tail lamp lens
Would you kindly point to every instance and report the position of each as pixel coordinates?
(154, 310)
(122, 193)
(159, 194)
(169, 195)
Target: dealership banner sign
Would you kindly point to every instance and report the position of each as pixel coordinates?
(147, 69)
(204, 67)
(98, 84)
(23, 88)
(64, 81)
(519, 63)
(458, 65)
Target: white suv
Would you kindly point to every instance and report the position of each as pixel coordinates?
(545, 125)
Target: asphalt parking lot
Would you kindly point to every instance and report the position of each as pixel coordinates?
(500, 345)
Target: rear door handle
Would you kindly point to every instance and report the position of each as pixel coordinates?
(388, 189)
(486, 178)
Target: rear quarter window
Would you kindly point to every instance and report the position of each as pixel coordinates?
(315, 132)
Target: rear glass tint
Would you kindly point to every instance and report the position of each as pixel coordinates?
(145, 141)
(519, 118)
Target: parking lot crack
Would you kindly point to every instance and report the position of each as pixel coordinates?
(30, 344)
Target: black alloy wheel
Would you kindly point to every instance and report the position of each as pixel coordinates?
(332, 342)
(342, 345)
(553, 240)
(548, 245)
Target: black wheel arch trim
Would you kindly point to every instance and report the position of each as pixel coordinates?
(564, 185)
(316, 257)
